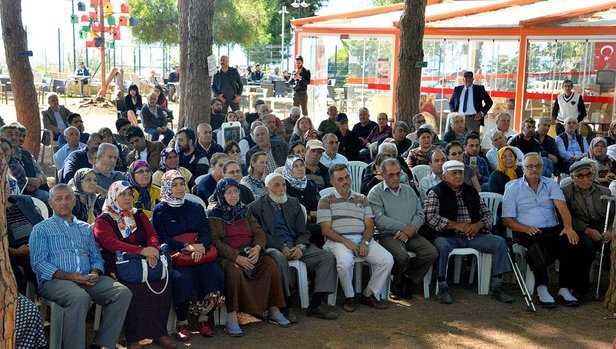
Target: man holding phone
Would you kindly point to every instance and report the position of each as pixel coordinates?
(399, 227)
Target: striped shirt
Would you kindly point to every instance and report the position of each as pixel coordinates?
(346, 215)
(56, 244)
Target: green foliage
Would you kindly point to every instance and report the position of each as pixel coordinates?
(274, 27)
(242, 22)
(158, 21)
(385, 2)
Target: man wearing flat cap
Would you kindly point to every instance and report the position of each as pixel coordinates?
(284, 222)
(529, 209)
(458, 218)
(588, 211)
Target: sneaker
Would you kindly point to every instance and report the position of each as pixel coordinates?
(373, 302)
(234, 330)
(182, 333)
(500, 295)
(444, 297)
(349, 305)
(205, 329)
(321, 312)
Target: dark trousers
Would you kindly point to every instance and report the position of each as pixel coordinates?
(300, 99)
(545, 247)
(406, 267)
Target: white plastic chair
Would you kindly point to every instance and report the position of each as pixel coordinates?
(302, 274)
(483, 263)
(356, 171)
(41, 207)
(194, 198)
(326, 191)
(420, 171)
(492, 201)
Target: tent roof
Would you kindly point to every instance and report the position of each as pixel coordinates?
(474, 14)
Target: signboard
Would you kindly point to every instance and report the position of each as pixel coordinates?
(212, 65)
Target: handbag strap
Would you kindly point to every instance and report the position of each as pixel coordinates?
(165, 275)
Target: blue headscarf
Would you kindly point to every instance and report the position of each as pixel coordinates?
(145, 202)
(222, 210)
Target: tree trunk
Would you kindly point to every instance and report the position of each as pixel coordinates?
(195, 47)
(8, 288)
(610, 295)
(411, 55)
(22, 81)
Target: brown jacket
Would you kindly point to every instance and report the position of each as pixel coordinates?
(227, 252)
(154, 149)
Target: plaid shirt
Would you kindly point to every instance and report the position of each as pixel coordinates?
(439, 223)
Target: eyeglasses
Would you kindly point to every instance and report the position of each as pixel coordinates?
(456, 153)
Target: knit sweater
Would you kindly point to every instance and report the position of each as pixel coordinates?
(390, 215)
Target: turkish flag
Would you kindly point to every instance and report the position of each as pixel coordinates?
(605, 55)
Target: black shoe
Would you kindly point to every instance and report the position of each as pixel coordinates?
(444, 297)
(561, 300)
(373, 302)
(349, 305)
(547, 305)
(500, 295)
(321, 312)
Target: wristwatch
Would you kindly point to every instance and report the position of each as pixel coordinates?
(366, 242)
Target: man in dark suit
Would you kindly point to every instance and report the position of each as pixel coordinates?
(471, 100)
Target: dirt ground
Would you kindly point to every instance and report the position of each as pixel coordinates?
(471, 322)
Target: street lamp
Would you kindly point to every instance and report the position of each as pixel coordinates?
(283, 12)
(297, 4)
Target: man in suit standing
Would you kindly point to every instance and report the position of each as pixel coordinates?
(471, 100)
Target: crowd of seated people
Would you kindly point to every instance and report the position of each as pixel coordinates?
(263, 206)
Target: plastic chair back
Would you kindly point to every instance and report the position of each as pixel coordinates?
(420, 171)
(356, 171)
(41, 207)
(492, 201)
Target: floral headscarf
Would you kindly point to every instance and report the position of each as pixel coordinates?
(89, 199)
(163, 159)
(124, 218)
(145, 201)
(166, 188)
(222, 210)
(287, 173)
(500, 164)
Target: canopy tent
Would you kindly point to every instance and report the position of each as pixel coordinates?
(534, 45)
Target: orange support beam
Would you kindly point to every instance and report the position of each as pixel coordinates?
(394, 104)
(520, 83)
(566, 15)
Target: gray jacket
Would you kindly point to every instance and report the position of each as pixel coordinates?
(263, 211)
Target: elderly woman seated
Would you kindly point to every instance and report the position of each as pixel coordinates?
(420, 155)
(457, 128)
(256, 174)
(372, 175)
(606, 167)
(170, 160)
(197, 279)
(507, 169)
(88, 202)
(124, 229)
(298, 185)
(252, 280)
(147, 195)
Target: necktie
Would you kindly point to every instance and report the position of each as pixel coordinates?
(464, 100)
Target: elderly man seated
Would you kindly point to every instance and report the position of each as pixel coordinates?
(346, 222)
(55, 118)
(503, 122)
(572, 146)
(331, 156)
(588, 211)
(458, 218)
(69, 269)
(437, 159)
(288, 239)
(106, 158)
(71, 134)
(529, 210)
(315, 170)
(276, 150)
(398, 226)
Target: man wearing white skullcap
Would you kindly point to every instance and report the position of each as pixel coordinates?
(288, 239)
(458, 218)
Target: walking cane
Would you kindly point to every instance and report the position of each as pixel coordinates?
(520, 280)
(607, 218)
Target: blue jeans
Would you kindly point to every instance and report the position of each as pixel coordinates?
(167, 135)
(486, 243)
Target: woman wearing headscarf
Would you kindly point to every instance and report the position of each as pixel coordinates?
(88, 202)
(606, 167)
(252, 280)
(507, 169)
(197, 288)
(256, 174)
(170, 160)
(611, 134)
(124, 229)
(298, 185)
(146, 194)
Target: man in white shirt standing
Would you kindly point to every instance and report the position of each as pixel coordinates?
(568, 103)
